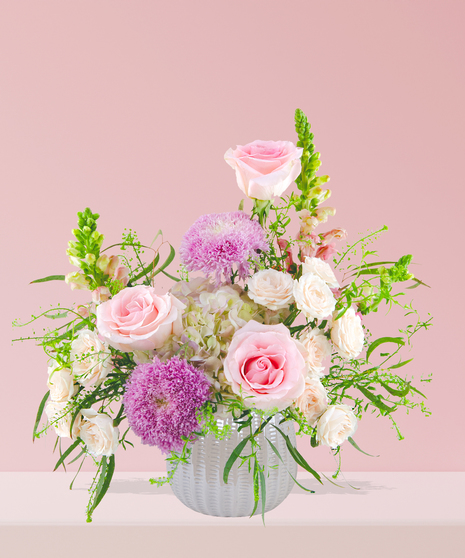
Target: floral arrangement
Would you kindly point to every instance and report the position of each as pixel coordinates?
(257, 322)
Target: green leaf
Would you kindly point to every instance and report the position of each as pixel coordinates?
(232, 458)
(65, 454)
(167, 262)
(147, 269)
(394, 391)
(376, 400)
(171, 276)
(39, 414)
(298, 458)
(352, 441)
(418, 391)
(56, 316)
(79, 326)
(381, 341)
(77, 473)
(104, 482)
(275, 449)
(400, 364)
(263, 490)
(49, 278)
(331, 481)
(256, 487)
(83, 451)
(159, 233)
(418, 282)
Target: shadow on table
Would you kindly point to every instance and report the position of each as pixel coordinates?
(355, 487)
(143, 486)
(137, 486)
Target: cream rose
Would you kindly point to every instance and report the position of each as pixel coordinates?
(91, 358)
(59, 417)
(318, 348)
(98, 433)
(61, 384)
(322, 269)
(313, 296)
(271, 288)
(137, 319)
(335, 425)
(313, 401)
(265, 169)
(347, 334)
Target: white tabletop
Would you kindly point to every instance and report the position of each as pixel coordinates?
(390, 515)
(381, 499)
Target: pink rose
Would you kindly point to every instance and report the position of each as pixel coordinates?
(265, 362)
(265, 169)
(137, 319)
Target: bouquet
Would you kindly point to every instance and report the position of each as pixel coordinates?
(257, 322)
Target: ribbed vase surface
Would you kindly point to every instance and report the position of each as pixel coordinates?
(200, 486)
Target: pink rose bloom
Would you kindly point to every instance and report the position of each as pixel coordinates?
(137, 319)
(265, 362)
(265, 169)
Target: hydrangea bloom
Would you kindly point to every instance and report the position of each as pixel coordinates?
(215, 242)
(161, 401)
(211, 317)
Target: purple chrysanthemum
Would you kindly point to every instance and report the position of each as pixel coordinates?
(161, 401)
(215, 242)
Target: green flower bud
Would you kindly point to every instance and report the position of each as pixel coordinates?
(90, 258)
(86, 230)
(75, 261)
(102, 263)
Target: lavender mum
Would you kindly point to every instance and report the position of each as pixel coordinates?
(216, 242)
(161, 401)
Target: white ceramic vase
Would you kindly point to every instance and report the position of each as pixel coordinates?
(200, 486)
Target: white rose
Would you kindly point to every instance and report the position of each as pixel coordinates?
(318, 348)
(91, 358)
(271, 288)
(335, 425)
(314, 297)
(314, 400)
(59, 416)
(61, 384)
(98, 433)
(322, 269)
(347, 334)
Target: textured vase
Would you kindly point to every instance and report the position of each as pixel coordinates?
(200, 486)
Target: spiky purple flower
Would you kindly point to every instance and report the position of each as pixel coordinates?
(215, 242)
(161, 401)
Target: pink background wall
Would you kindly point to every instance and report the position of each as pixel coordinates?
(129, 107)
